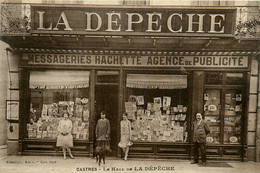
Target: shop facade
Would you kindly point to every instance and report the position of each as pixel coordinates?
(160, 103)
(160, 66)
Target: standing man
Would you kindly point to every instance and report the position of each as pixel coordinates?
(200, 132)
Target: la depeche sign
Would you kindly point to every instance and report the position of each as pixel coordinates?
(135, 60)
(132, 21)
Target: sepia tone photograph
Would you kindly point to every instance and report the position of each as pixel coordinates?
(129, 86)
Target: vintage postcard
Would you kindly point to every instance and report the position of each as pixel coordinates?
(129, 86)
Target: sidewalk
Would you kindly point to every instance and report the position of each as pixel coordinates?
(48, 164)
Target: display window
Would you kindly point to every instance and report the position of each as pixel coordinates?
(224, 106)
(214, 78)
(212, 110)
(52, 93)
(232, 116)
(158, 110)
(235, 79)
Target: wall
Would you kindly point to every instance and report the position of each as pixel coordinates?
(3, 91)
(9, 90)
(13, 94)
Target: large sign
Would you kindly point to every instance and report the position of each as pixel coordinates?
(136, 60)
(132, 21)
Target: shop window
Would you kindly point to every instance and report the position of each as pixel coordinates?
(232, 117)
(51, 97)
(158, 110)
(235, 79)
(224, 109)
(107, 77)
(212, 108)
(213, 78)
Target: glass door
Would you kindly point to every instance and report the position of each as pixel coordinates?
(212, 112)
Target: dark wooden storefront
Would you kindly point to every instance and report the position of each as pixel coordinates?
(101, 93)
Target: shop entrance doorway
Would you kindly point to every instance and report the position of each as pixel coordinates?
(106, 97)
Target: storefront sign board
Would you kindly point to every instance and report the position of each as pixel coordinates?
(136, 60)
(133, 21)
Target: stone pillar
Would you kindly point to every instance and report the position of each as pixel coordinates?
(253, 12)
(252, 112)
(13, 94)
(4, 84)
(257, 138)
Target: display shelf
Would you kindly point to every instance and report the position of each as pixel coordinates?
(179, 120)
(47, 140)
(214, 131)
(213, 124)
(163, 143)
(230, 115)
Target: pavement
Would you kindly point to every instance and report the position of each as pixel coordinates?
(56, 164)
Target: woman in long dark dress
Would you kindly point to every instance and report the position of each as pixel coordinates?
(103, 133)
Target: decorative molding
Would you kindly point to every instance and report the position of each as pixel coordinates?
(154, 53)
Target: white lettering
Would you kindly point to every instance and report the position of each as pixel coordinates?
(41, 21)
(110, 21)
(213, 23)
(65, 22)
(130, 20)
(89, 22)
(200, 22)
(151, 22)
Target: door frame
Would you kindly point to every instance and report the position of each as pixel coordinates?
(120, 96)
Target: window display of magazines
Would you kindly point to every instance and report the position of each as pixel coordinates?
(212, 109)
(45, 126)
(156, 121)
(232, 117)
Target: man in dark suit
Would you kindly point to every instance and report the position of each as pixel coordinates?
(200, 132)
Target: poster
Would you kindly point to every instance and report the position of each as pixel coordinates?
(12, 110)
(140, 100)
(166, 102)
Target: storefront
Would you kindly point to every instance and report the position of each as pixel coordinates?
(160, 101)
(160, 87)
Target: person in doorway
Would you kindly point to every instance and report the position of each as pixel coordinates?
(65, 139)
(103, 133)
(125, 130)
(200, 132)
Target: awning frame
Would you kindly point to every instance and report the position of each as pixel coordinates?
(58, 79)
(154, 81)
